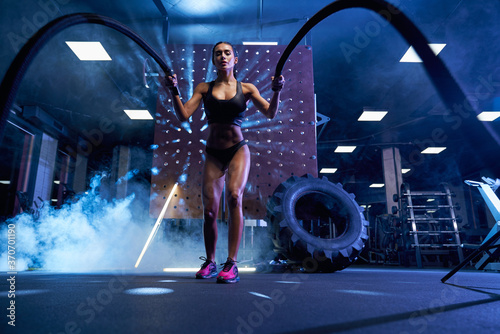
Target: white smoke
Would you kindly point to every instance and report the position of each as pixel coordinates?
(93, 234)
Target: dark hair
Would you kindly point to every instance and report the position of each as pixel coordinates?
(235, 52)
(222, 42)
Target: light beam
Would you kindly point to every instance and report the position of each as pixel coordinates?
(157, 225)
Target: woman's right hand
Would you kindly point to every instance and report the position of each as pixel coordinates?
(171, 81)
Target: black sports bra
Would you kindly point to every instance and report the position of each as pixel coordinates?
(225, 111)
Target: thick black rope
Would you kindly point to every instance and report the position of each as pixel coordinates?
(443, 81)
(481, 139)
(16, 71)
(441, 77)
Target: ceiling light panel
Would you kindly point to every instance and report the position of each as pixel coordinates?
(89, 51)
(411, 55)
(345, 149)
(433, 150)
(488, 116)
(138, 114)
(259, 43)
(372, 116)
(328, 170)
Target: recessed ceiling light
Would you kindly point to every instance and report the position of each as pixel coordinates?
(260, 43)
(345, 149)
(372, 116)
(433, 150)
(411, 55)
(488, 116)
(4, 182)
(377, 185)
(405, 170)
(89, 50)
(138, 114)
(328, 170)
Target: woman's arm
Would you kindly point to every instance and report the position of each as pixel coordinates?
(184, 111)
(269, 109)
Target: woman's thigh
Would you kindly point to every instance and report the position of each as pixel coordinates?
(238, 170)
(212, 184)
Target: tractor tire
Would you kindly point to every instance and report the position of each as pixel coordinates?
(316, 223)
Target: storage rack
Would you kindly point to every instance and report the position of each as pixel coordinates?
(430, 222)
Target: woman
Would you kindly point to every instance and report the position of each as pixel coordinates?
(226, 151)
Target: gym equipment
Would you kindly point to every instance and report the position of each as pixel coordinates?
(316, 223)
(430, 222)
(492, 240)
(23, 59)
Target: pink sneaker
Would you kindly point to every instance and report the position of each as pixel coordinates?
(208, 269)
(229, 273)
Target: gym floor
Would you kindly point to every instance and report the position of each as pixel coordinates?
(359, 299)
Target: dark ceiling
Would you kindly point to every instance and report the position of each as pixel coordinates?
(356, 66)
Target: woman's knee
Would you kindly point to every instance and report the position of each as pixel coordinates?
(235, 198)
(209, 214)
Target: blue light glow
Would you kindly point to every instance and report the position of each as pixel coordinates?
(155, 171)
(259, 295)
(26, 292)
(288, 282)
(201, 8)
(183, 178)
(361, 292)
(148, 291)
(186, 127)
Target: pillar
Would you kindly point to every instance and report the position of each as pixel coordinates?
(392, 175)
(80, 178)
(45, 171)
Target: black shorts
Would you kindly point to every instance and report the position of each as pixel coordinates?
(224, 156)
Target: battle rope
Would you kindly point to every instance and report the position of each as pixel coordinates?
(443, 81)
(452, 95)
(438, 72)
(23, 59)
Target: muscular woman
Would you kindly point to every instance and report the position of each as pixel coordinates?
(225, 100)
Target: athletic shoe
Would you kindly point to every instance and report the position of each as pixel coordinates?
(208, 269)
(229, 273)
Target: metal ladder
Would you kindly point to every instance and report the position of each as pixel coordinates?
(430, 221)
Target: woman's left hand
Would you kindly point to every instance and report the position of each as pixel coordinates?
(278, 83)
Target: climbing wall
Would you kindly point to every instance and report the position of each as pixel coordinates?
(281, 147)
